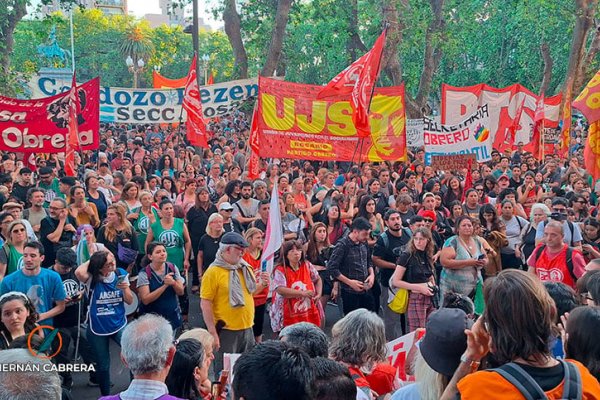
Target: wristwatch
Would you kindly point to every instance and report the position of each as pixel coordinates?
(473, 365)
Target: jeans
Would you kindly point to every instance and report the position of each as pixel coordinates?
(100, 347)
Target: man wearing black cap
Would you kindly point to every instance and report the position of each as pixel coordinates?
(23, 184)
(226, 298)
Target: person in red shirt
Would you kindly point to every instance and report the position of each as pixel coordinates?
(549, 260)
(252, 256)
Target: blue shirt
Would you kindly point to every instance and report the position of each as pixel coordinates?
(43, 289)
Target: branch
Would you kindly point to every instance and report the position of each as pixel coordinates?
(277, 36)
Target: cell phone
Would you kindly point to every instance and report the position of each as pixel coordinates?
(120, 279)
(481, 257)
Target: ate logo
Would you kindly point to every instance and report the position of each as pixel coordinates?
(553, 274)
(143, 224)
(169, 238)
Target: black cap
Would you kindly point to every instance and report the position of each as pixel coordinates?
(234, 238)
(25, 170)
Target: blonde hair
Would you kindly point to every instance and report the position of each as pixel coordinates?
(211, 219)
(201, 335)
(250, 233)
(110, 232)
(431, 383)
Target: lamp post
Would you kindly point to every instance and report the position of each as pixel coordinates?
(135, 68)
(205, 60)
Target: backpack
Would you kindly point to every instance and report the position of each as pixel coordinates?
(148, 270)
(571, 228)
(538, 253)
(530, 389)
(386, 240)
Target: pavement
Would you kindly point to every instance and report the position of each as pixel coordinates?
(120, 373)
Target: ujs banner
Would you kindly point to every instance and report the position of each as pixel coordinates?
(126, 105)
(41, 125)
(470, 136)
(292, 123)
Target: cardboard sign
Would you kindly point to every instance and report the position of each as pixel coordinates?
(397, 352)
(453, 162)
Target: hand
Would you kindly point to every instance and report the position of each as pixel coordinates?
(370, 281)
(562, 327)
(217, 342)
(186, 266)
(335, 291)
(168, 279)
(478, 341)
(424, 289)
(357, 286)
(308, 293)
(517, 252)
(482, 262)
(63, 215)
(70, 228)
(88, 210)
(123, 285)
(264, 278)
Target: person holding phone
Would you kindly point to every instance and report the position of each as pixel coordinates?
(108, 290)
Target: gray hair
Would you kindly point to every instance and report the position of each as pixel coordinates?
(540, 206)
(358, 339)
(555, 224)
(23, 385)
(146, 343)
(258, 183)
(307, 337)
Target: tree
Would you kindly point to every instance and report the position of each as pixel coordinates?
(232, 21)
(277, 37)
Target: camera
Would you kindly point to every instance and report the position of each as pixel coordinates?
(558, 216)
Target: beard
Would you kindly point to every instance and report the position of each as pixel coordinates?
(246, 196)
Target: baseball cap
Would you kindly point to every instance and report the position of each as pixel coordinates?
(445, 340)
(225, 206)
(503, 176)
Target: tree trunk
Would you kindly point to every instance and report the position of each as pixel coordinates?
(547, 76)
(431, 59)
(277, 36)
(586, 71)
(231, 20)
(7, 29)
(355, 45)
(391, 61)
(585, 10)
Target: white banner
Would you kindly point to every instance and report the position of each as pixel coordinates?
(458, 102)
(414, 132)
(126, 105)
(470, 136)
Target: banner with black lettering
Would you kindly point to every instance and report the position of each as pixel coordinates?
(127, 105)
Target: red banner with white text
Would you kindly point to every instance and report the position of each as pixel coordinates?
(503, 104)
(292, 123)
(41, 125)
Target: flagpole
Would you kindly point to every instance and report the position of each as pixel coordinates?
(72, 39)
(378, 67)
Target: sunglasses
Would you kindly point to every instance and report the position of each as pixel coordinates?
(428, 220)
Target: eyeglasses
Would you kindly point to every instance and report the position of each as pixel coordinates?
(580, 202)
(18, 230)
(227, 210)
(479, 190)
(428, 220)
(559, 210)
(56, 208)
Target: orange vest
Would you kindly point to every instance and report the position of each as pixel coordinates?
(299, 309)
(554, 269)
(489, 385)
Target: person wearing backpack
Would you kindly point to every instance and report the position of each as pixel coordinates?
(553, 260)
(571, 232)
(517, 328)
(159, 283)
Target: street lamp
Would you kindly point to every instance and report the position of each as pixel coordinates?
(135, 68)
(205, 60)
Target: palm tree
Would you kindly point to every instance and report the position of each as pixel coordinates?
(136, 46)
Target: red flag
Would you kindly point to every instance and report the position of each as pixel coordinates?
(254, 161)
(195, 125)
(358, 80)
(72, 133)
(591, 152)
(588, 101)
(534, 145)
(512, 132)
(211, 79)
(468, 179)
(566, 128)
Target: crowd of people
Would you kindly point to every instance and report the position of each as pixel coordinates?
(490, 262)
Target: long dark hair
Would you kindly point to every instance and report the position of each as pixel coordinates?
(489, 209)
(173, 189)
(312, 248)
(97, 262)
(583, 344)
(33, 315)
(362, 207)
(161, 162)
(287, 246)
(180, 381)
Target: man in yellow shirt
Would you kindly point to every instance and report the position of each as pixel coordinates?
(226, 298)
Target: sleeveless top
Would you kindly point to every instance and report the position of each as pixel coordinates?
(106, 312)
(14, 259)
(461, 280)
(172, 239)
(167, 304)
(141, 225)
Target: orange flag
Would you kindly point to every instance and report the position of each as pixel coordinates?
(358, 80)
(566, 128)
(161, 82)
(195, 125)
(72, 133)
(254, 161)
(588, 101)
(211, 79)
(591, 153)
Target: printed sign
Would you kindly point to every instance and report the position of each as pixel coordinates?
(414, 132)
(453, 162)
(126, 105)
(41, 125)
(397, 352)
(470, 136)
(292, 123)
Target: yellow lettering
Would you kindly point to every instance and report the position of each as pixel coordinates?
(317, 116)
(340, 114)
(271, 117)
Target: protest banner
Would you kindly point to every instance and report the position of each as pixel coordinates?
(397, 352)
(41, 125)
(452, 162)
(414, 133)
(470, 136)
(127, 105)
(292, 123)
(458, 102)
(162, 82)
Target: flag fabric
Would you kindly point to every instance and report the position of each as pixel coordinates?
(591, 153)
(195, 125)
(566, 128)
(72, 144)
(254, 161)
(534, 146)
(468, 180)
(211, 79)
(514, 128)
(358, 80)
(273, 235)
(161, 82)
(588, 101)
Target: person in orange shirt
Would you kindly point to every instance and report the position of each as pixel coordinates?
(517, 327)
(252, 256)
